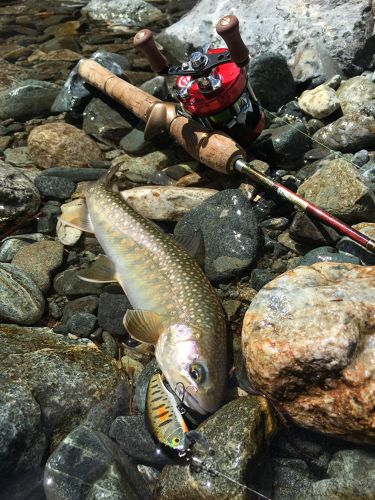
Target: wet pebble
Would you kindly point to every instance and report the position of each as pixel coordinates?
(10, 247)
(111, 312)
(139, 169)
(68, 283)
(109, 345)
(326, 254)
(260, 277)
(55, 188)
(308, 230)
(81, 324)
(47, 221)
(230, 232)
(21, 300)
(75, 174)
(19, 157)
(351, 247)
(38, 260)
(361, 157)
(88, 304)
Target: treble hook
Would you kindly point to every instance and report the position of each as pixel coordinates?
(180, 398)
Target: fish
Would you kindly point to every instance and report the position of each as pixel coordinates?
(165, 419)
(176, 309)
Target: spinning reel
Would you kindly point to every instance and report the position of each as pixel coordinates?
(212, 85)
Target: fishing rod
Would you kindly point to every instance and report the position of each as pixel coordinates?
(218, 114)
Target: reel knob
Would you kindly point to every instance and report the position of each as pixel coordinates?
(144, 40)
(228, 28)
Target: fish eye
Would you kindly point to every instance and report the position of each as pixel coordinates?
(197, 373)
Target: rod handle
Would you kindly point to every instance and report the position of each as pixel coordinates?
(228, 28)
(144, 41)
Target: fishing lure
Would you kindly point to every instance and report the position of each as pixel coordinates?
(165, 418)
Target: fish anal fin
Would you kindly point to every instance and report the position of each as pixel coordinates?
(144, 326)
(77, 216)
(102, 270)
(193, 243)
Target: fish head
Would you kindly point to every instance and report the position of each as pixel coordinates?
(191, 372)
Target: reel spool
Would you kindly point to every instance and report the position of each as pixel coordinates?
(212, 86)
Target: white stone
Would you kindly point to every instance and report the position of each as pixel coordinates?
(319, 102)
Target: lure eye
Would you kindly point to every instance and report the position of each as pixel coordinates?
(176, 441)
(197, 373)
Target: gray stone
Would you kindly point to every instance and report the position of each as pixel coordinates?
(38, 260)
(106, 122)
(19, 157)
(355, 93)
(47, 222)
(21, 300)
(260, 277)
(368, 172)
(283, 144)
(55, 188)
(134, 438)
(338, 189)
(326, 254)
(87, 304)
(157, 87)
(313, 64)
(237, 434)
(230, 232)
(134, 142)
(28, 99)
(9, 248)
(81, 324)
(344, 29)
(123, 12)
(140, 169)
(271, 80)
(88, 465)
(109, 345)
(349, 246)
(275, 223)
(19, 197)
(308, 230)
(348, 134)
(291, 476)
(112, 309)
(49, 379)
(68, 283)
(361, 158)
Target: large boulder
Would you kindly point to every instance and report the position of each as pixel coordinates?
(268, 26)
(308, 341)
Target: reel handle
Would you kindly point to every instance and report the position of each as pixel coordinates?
(228, 28)
(144, 40)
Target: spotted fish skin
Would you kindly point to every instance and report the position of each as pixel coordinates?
(158, 275)
(165, 419)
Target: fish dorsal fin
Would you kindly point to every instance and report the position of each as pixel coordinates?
(193, 243)
(100, 271)
(144, 326)
(77, 216)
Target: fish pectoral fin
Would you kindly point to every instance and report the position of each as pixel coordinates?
(100, 271)
(144, 326)
(78, 217)
(193, 243)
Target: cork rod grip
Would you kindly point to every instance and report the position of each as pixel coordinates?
(133, 98)
(215, 149)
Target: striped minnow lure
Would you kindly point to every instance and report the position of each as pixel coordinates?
(165, 419)
(175, 306)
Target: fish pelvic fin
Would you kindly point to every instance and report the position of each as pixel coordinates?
(144, 326)
(77, 216)
(102, 270)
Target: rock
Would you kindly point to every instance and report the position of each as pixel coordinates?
(55, 188)
(67, 235)
(319, 102)
(346, 197)
(275, 223)
(260, 277)
(20, 299)
(81, 324)
(139, 169)
(112, 309)
(238, 433)
(290, 477)
(348, 134)
(109, 345)
(61, 144)
(19, 157)
(9, 248)
(347, 245)
(271, 80)
(38, 260)
(51, 379)
(165, 202)
(307, 340)
(368, 172)
(354, 93)
(308, 230)
(75, 93)
(68, 283)
(313, 64)
(98, 468)
(122, 12)
(157, 87)
(361, 158)
(283, 144)
(283, 28)
(88, 304)
(230, 232)
(11, 74)
(28, 99)
(106, 122)
(134, 438)
(326, 254)
(75, 174)
(19, 197)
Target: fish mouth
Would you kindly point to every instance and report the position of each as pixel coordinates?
(192, 402)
